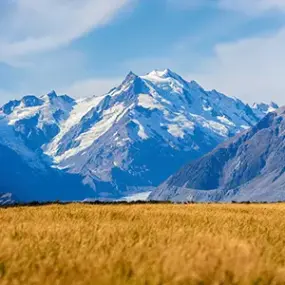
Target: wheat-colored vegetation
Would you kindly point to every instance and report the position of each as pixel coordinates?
(143, 244)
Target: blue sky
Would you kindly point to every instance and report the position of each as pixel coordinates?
(85, 47)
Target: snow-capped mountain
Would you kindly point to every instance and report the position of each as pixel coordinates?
(128, 140)
(262, 109)
(37, 120)
(142, 131)
(26, 174)
(248, 167)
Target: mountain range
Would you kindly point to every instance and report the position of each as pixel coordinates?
(109, 146)
(248, 167)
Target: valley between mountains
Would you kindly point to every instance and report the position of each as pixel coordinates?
(133, 138)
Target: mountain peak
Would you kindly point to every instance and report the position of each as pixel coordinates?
(10, 106)
(31, 101)
(264, 108)
(131, 75)
(195, 84)
(163, 73)
(52, 94)
(273, 105)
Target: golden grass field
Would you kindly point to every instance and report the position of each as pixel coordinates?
(143, 244)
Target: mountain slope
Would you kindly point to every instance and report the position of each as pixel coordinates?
(27, 175)
(249, 166)
(139, 133)
(38, 182)
(37, 120)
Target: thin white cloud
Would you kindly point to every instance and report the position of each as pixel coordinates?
(29, 26)
(250, 69)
